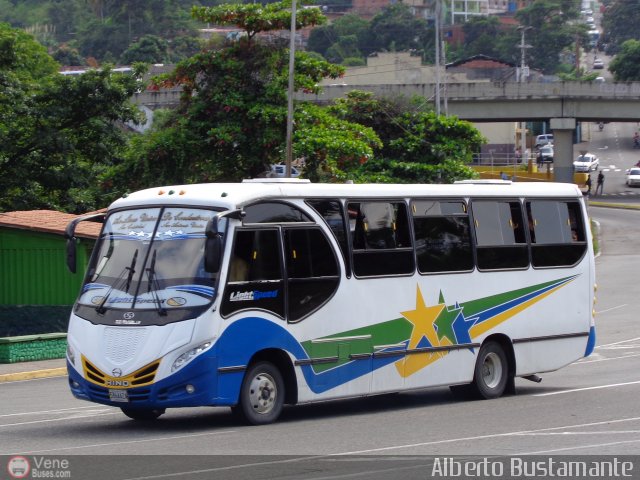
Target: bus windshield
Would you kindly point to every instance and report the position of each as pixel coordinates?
(150, 259)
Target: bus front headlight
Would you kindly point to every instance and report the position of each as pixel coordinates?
(71, 355)
(186, 357)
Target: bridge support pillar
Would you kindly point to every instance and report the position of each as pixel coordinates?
(563, 129)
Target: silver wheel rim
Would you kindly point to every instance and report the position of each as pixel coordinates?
(263, 393)
(492, 370)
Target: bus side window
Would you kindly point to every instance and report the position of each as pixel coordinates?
(559, 233)
(380, 239)
(442, 235)
(500, 235)
(312, 270)
(331, 211)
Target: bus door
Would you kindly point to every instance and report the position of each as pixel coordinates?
(296, 291)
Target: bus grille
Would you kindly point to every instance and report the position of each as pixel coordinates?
(121, 344)
(140, 378)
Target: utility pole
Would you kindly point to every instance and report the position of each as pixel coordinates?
(437, 42)
(292, 51)
(523, 74)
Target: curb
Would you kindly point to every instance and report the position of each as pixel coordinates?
(47, 373)
(627, 206)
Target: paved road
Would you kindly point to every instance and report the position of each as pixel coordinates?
(614, 147)
(589, 408)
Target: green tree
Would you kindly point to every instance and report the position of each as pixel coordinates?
(333, 148)
(620, 23)
(57, 133)
(417, 146)
(323, 37)
(480, 35)
(395, 28)
(149, 49)
(232, 120)
(625, 66)
(551, 30)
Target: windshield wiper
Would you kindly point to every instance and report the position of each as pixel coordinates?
(131, 270)
(154, 285)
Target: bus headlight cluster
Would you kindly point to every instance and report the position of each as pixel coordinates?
(71, 355)
(186, 357)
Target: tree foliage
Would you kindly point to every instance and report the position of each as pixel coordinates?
(417, 146)
(620, 23)
(232, 119)
(550, 30)
(102, 29)
(625, 66)
(58, 134)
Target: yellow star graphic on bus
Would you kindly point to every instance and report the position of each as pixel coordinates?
(424, 334)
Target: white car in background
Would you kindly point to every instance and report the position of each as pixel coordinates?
(586, 162)
(543, 140)
(633, 176)
(279, 171)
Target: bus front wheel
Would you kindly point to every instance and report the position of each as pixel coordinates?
(491, 372)
(142, 414)
(261, 394)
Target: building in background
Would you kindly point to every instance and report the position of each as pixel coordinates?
(36, 289)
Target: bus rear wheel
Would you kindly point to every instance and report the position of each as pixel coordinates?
(491, 373)
(261, 395)
(142, 414)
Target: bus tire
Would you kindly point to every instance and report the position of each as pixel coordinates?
(142, 414)
(261, 395)
(491, 371)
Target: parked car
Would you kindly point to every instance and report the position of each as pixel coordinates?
(598, 64)
(586, 163)
(633, 177)
(543, 139)
(545, 154)
(279, 170)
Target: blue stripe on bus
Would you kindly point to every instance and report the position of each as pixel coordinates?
(591, 343)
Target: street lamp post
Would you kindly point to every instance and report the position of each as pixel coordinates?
(292, 50)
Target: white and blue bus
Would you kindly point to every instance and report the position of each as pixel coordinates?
(278, 292)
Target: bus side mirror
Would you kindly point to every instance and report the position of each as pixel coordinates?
(69, 234)
(212, 247)
(212, 253)
(71, 254)
(213, 243)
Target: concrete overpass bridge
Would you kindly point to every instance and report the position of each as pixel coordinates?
(563, 104)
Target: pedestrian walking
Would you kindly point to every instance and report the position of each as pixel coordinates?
(588, 184)
(600, 183)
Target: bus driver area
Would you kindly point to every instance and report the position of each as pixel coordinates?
(262, 294)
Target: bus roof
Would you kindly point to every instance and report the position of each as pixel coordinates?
(234, 195)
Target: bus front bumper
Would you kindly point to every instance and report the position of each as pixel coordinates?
(195, 384)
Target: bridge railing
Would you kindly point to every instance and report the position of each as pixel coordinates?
(501, 159)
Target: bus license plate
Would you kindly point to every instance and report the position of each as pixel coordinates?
(118, 395)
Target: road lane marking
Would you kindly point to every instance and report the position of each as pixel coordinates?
(612, 308)
(596, 360)
(49, 420)
(42, 412)
(618, 343)
(578, 447)
(597, 387)
(493, 435)
(153, 439)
